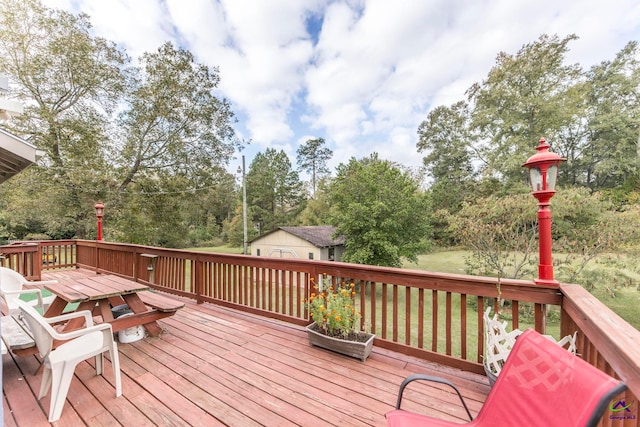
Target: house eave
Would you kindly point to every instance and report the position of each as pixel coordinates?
(16, 154)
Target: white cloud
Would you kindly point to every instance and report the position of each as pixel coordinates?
(377, 69)
(139, 26)
(261, 49)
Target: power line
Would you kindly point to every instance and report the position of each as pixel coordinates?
(118, 191)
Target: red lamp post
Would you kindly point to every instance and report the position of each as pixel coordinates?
(99, 207)
(543, 173)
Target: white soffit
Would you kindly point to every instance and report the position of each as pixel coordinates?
(15, 154)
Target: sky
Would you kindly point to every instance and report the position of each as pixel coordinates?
(362, 74)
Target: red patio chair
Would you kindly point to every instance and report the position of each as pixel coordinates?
(541, 384)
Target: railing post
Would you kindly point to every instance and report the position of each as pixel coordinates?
(97, 258)
(197, 279)
(540, 314)
(151, 267)
(136, 263)
(36, 263)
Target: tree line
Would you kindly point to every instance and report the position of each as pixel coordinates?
(591, 117)
(153, 140)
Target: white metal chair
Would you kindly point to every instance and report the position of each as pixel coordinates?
(60, 363)
(499, 342)
(12, 286)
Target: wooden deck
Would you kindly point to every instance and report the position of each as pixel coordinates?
(216, 366)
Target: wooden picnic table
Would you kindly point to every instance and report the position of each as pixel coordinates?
(100, 293)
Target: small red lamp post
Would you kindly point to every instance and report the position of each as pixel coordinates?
(543, 173)
(99, 207)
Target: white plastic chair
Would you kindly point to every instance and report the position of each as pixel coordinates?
(12, 286)
(60, 363)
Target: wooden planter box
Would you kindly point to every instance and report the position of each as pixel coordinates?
(358, 349)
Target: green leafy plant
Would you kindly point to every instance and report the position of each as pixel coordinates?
(332, 308)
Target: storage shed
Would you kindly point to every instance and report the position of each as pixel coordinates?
(306, 242)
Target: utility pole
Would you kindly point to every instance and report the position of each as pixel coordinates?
(244, 208)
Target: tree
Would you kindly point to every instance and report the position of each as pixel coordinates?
(317, 211)
(584, 227)
(69, 82)
(173, 125)
(609, 153)
(233, 229)
(380, 211)
(312, 158)
(525, 96)
(590, 118)
(501, 233)
(448, 140)
(171, 135)
(274, 190)
(176, 137)
(165, 214)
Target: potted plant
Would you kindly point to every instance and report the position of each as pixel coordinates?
(336, 321)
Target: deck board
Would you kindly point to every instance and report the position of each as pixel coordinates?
(216, 366)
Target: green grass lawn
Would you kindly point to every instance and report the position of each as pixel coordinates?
(443, 262)
(623, 296)
(218, 249)
(624, 302)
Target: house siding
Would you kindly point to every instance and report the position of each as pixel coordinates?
(281, 244)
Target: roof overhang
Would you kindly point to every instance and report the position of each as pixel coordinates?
(15, 155)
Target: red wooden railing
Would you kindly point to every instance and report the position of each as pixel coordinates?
(23, 257)
(435, 316)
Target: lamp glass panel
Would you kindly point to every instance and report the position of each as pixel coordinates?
(552, 176)
(535, 179)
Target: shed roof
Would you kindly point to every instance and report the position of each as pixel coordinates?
(318, 235)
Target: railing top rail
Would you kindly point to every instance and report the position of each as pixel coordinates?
(18, 247)
(607, 331)
(460, 283)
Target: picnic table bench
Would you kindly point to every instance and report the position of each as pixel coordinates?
(99, 295)
(160, 302)
(148, 307)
